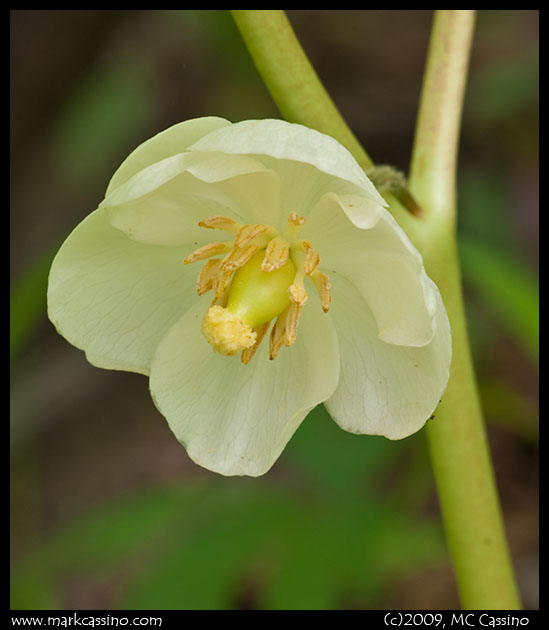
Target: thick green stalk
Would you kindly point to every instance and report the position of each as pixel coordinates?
(459, 450)
(290, 78)
(457, 440)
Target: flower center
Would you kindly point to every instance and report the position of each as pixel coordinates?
(260, 279)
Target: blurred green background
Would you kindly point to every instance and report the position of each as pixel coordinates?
(107, 510)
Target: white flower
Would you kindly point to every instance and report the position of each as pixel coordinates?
(297, 227)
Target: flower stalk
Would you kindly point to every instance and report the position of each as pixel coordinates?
(458, 445)
(457, 439)
(291, 79)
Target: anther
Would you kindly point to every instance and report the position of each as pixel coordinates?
(249, 232)
(298, 295)
(238, 257)
(207, 276)
(276, 254)
(292, 320)
(295, 219)
(312, 259)
(222, 282)
(278, 336)
(220, 222)
(248, 353)
(294, 224)
(206, 251)
(284, 332)
(322, 284)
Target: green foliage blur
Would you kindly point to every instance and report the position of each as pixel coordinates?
(107, 510)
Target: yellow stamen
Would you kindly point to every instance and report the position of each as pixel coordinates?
(276, 254)
(249, 232)
(298, 295)
(238, 257)
(248, 353)
(312, 259)
(284, 331)
(222, 282)
(292, 321)
(295, 219)
(277, 338)
(297, 289)
(207, 276)
(295, 223)
(260, 279)
(220, 222)
(322, 284)
(206, 251)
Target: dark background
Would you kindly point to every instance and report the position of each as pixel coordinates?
(107, 509)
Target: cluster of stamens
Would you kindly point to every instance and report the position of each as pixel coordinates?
(270, 258)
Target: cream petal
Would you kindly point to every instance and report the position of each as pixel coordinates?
(232, 418)
(115, 298)
(309, 163)
(163, 203)
(169, 142)
(384, 389)
(382, 264)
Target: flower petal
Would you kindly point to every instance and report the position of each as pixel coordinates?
(163, 203)
(382, 264)
(115, 298)
(236, 419)
(299, 155)
(384, 389)
(169, 142)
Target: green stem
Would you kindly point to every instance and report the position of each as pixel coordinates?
(457, 439)
(290, 78)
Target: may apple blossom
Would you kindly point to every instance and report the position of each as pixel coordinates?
(286, 233)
